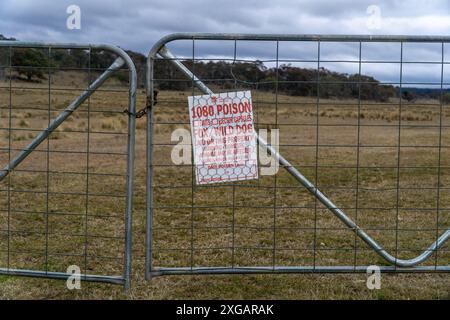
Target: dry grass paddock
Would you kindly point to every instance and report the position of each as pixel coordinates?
(306, 233)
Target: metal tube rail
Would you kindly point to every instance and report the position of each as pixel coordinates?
(61, 276)
(287, 269)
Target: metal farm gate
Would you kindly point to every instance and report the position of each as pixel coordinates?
(364, 173)
(66, 156)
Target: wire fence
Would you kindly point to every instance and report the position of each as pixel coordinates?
(357, 177)
(66, 157)
(362, 155)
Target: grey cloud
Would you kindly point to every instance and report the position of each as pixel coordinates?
(136, 24)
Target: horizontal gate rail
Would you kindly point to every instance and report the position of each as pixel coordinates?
(160, 52)
(45, 51)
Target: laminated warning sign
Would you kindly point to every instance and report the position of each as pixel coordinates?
(223, 137)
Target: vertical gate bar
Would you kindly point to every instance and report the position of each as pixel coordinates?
(193, 166)
(358, 151)
(438, 196)
(9, 157)
(149, 179)
(316, 173)
(275, 176)
(88, 138)
(233, 226)
(128, 254)
(233, 222)
(49, 119)
(399, 149)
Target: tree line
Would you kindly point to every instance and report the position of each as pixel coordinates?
(286, 79)
(33, 64)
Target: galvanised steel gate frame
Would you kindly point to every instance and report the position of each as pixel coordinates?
(396, 264)
(122, 60)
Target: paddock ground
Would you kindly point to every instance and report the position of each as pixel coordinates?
(305, 234)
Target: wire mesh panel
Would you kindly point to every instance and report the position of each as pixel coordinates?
(66, 157)
(362, 155)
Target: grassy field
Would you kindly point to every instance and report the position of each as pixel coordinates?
(306, 233)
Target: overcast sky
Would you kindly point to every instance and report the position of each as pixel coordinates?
(137, 24)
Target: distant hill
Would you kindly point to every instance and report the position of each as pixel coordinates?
(287, 79)
(412, 94)
(2, 37)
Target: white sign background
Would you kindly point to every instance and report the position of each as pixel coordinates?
(223, 137)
